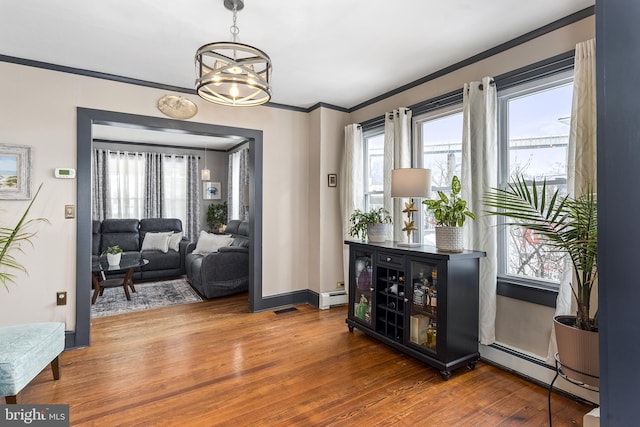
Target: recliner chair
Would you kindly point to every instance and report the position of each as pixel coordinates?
(224, 272)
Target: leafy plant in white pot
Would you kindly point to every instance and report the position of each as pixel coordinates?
(370, 225)
(570, 226)
(114, 253)
(450, 214)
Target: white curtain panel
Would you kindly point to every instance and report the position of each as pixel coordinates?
(351, 189)
(479, 174)
(126, 184)
(397, 154)
(581, 162)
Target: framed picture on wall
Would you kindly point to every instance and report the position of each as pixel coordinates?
(211, 190)
(15, 172)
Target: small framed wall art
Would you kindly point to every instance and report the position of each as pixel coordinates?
(15, 172)
(211, 191)
(332, 180)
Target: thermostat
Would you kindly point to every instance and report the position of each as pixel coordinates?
(65, 173)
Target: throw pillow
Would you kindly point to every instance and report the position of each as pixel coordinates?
(156, 242)
(208, 242)
(174, 241)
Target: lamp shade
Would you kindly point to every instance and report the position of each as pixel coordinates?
(411, 182)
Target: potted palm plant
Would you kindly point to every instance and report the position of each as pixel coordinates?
(11, 239)
(370, 225)
(570, 226)
(450, 214)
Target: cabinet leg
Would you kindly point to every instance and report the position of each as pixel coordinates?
(350, 328)
(472, 365)
(445, 375)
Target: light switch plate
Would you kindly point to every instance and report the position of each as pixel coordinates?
(69, 211)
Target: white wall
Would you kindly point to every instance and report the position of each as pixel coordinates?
(331, 238)
(39, 110)
(326, 139)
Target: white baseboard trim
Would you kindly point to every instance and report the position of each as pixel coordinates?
(539, 371)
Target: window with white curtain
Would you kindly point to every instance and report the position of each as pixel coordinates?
(234, 199)
(373, 168)
(438, 142)
(534, 126)
(126, 183)
(175, 187)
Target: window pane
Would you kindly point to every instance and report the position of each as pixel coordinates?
(537, 139)
(175, 187)
(442, 148)
(126, 184)
(539, 133)
(441, 139)
(374, 171)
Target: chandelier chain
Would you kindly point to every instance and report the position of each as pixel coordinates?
(234, 28)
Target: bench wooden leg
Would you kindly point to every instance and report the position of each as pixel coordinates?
(11, 400)
(55, 367)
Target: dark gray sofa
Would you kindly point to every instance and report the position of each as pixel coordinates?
(224, 272)
(129, 235)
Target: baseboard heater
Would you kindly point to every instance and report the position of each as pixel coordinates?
(330, 299)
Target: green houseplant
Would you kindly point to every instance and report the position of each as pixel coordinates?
(114, 253)
(217, 216)
(450, 213)
(370, 225)
(569, 226)
(11, 239)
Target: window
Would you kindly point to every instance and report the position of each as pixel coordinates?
(127, 172)
(234, 197)
(175, 187)
(438, 137)
(373, 169)
(533, 135)
(126, 184)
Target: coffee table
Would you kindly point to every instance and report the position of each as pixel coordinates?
(128, 265)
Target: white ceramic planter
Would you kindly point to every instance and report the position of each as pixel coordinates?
(114, 259)
(377, 233)
(577, 351)
(449, 239)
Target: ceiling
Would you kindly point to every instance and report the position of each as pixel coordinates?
(164, 137)
(340, 52)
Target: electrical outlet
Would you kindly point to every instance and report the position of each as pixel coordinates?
(61, 298)
(340, 284)
(69, 211)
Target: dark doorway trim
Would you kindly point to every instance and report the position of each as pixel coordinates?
(85, 119)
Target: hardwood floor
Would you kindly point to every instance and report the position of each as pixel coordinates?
(214, 363)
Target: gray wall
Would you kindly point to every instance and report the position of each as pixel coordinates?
(618, 68)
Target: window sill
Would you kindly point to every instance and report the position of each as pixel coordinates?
(527, 291)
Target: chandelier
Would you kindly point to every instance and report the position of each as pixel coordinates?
(232, 73)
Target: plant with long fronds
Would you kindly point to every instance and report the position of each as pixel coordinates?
(12, 239)
(564, 223)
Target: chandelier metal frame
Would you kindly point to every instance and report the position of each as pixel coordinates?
(233, 73)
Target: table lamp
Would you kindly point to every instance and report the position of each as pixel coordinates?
(410, 182)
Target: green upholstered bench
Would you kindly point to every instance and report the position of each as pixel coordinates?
(25, 350)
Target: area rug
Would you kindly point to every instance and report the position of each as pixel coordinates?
(147, 296)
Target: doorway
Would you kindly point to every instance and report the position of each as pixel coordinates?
(86, 118)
